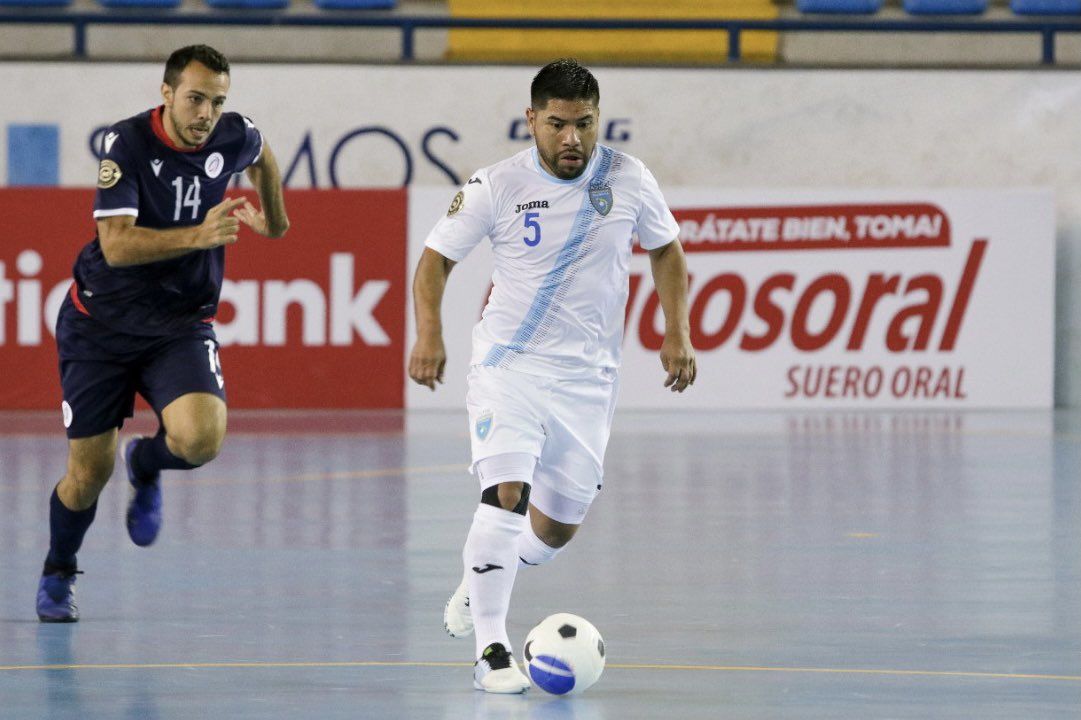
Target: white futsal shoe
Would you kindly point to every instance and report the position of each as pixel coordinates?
(497, 672)
(457, 617)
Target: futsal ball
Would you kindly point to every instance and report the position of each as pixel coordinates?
(564, 654)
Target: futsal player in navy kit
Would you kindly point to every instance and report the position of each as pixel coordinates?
(138, 317)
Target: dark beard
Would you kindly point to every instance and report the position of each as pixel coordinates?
(554, 167)
(180, 132)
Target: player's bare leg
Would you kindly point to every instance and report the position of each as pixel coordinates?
(193, 428)
(71, 511)
(90, 464)
(543, 538)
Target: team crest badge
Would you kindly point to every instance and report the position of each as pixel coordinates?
(601, 197)
(484, 425)
(215, 163)
(456, 203)
(109, 174)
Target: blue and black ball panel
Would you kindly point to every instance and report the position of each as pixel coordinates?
(551, 674)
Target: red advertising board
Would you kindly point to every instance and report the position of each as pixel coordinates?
(313, 320)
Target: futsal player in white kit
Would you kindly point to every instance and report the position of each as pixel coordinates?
(543, 381)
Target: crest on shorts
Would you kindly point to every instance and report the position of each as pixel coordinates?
(108, 174)
(456, 203)
(601, 197)
(484, 425)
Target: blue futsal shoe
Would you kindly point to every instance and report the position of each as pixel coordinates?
(56, 597)
(144, 510)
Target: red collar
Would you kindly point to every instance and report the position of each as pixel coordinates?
(158, 127)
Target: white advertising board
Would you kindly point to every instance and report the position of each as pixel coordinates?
(826, 299)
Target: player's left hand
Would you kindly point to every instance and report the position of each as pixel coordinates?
(253, 218)
(677, 358)
(428, 360)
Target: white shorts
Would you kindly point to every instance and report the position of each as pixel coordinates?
(563, 423)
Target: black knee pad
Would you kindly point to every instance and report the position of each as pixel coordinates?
(520, 508)
(490, 496)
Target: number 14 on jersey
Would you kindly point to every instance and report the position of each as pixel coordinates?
(187, 199)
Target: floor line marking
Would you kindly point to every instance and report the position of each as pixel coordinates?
(852, 671)
(616, 666)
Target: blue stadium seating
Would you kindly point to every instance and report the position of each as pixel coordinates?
(1046, 7)
(355, 4)
(945, 7)
(139, 3)
(34, 3)
(847, 7)
(248, 4)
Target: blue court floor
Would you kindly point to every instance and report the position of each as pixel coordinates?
(740, 565)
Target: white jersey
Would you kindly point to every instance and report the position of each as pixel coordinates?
(562, 250)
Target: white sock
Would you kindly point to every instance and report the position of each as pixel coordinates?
(491, 547)
(532, 550)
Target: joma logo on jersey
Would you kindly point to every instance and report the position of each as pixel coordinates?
(533, 205)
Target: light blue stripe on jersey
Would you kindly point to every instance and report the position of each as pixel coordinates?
(555, 278)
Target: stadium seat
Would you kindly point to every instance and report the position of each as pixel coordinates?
(355, 4)
(945, 7)
(846, 7)
(248, 4)
(1046, 7)
(647, 47)
(34, 3)
(139, 3)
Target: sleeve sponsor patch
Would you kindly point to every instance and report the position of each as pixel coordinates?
(457, 203)
(108, 174)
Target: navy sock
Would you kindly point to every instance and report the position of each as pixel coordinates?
(151, 456)
(66, 531)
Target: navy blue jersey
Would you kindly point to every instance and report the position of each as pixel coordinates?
(143, 174)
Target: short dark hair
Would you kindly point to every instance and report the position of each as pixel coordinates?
(181, 58)
(564, 79)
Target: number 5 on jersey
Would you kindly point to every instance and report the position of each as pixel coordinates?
(531, 222)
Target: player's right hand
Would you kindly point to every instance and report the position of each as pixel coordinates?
(219, 227)
(427, 361)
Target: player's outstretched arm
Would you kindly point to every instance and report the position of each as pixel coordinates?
(124, 243)
(669, 266)
(271, 220)
(429, 357)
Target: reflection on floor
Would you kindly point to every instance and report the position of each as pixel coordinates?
(747, 565)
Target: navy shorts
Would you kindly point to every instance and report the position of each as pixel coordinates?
(101, 370)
